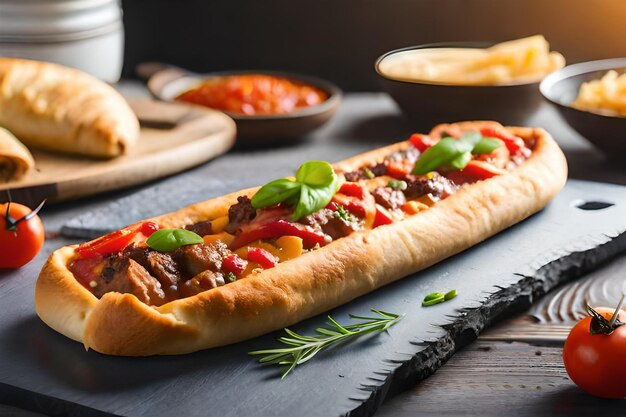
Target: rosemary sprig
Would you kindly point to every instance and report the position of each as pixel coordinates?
(302, 348)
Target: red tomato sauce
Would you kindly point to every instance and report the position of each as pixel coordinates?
(254, 94)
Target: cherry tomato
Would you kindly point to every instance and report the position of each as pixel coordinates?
(19, 246)
(596, 362)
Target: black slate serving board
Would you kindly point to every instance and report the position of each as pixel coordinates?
(43, 371)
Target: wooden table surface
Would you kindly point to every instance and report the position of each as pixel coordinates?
(514, 367)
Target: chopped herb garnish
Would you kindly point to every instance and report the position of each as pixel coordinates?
(343, 214)
(397, 185)
(301, 348)
(231, 277)
(438, 297)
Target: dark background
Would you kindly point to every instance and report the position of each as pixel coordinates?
(340, 39)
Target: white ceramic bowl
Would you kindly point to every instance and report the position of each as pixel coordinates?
(83, 34)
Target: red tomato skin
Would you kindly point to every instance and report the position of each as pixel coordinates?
(19, 247)
(597, 363)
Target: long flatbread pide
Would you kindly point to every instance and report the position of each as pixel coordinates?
(254, 261)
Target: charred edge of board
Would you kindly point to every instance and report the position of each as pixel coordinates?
(470, 322)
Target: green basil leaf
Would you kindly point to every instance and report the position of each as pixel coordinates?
(315, 173)
(469, 139)
(312, 190)
(168, 240)
(275, 192)
(454, 153)
(437, 155)
(313, 199)
(460, 161)
(487, 145)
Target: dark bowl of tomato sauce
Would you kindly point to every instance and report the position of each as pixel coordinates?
(266, 105)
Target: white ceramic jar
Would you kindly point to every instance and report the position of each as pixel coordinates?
(84, 34)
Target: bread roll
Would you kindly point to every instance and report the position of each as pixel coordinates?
(15, 158)
(52, 107)
(310, 284)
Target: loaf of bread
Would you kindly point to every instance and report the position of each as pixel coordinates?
(52, 107)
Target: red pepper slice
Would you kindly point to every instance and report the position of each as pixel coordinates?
(480, 170)
(398, 170)
(382, 217)
(421, 141)
(356, 208)
(352, 189)
(332, 206)
(115, 241)
(513, 143)
(262, 257)
(277, 229)
(235, 264)
(498, 158)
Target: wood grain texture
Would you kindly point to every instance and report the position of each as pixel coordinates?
(516, 366)
(174, 137)
(490, 378)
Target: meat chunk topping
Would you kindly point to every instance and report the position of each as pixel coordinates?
(201, 228)
(194, 259)
(124, 275)
(240, 214)
(331, 224)
(388, 197)
(437, 185)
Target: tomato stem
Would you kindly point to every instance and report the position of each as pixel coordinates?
(616, 313)
(32, 214)
(600, 325)
(9, 222)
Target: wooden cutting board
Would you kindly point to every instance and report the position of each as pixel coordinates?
(174, 137)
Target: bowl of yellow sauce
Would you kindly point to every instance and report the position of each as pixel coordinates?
(445, 82)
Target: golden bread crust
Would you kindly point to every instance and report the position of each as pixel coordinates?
(312, 283)
(15, 158)
(62, 109)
